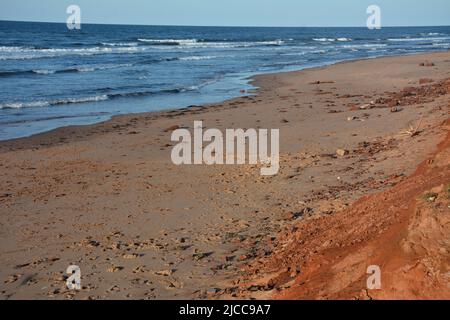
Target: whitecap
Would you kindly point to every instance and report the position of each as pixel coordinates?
(120, 44)
(418, 39)
(197, 58)
(33, 104)
(44, 71)
(25, 53)
(169, 41)
(332, 39)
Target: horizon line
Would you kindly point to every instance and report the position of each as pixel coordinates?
(223, 26)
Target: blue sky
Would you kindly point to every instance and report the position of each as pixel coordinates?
(232, 12)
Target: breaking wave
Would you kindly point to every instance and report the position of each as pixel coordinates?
(104, 97)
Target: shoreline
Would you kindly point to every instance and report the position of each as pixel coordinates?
(107, 197)
(250, 80)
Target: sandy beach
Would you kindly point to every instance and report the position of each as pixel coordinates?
(108, 198)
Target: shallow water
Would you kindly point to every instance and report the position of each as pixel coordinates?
(52, 77)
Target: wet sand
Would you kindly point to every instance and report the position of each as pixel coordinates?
(107, 197)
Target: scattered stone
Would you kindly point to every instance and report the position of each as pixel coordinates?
(212, 291)
(183, 247)
(201, 255)
(243, 257)
(114, 289)
(13, 278)
(165, 273)
(396, 109)
(365, 106)
(172, 128)
(230, 258)
(393, 103)
(431, 197)
(138, 281)
(174, 284)
(342, 152)
(56, 291)
(321, 82)
(294, 272)
(254, 288)
(291, 216)
(93, 243)
(140, 269)
(425, 80)
(114, 269)
(131, 256)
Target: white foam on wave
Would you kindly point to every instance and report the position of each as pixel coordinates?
(25, 53)
(197, 58)
(44, 71)
(419, 39)
(441, 44)
(432, 34)
(169, 41)
(120, 44)
(364, 46)
(18, 105)
(300, 53)
(275, 42)
(81, 100)
(332, 39)
(194, 43)
(10, 49)
(80, 68)
(319, 51)
(102, 67)
(33, 104)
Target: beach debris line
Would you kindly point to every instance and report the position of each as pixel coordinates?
(427, 91)
(413, 131)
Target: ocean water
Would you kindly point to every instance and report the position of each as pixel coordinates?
(52, 77)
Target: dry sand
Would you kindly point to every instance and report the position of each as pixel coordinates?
(107, 197)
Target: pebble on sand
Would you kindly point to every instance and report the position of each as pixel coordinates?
(342, 152)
